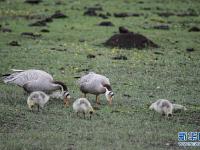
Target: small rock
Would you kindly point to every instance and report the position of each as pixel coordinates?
(162, 27)
(194, 29)
(81, 40)
(103, 16)
(158, 53)
(127, 95)
(5, 30)
(38, 23)
(123, 30)
(120, 57)
(91, 56)
(33, 1)
(45, 30)
(190, 49)
(14, 43)
(58, 14)
(106, 23)
(30, 34)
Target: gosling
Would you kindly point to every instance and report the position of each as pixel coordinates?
(165, 107)
(38, 98)
(82, 105)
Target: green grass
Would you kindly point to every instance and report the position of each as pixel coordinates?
(145, 76)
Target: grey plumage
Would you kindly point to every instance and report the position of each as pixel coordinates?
(93, 83)
(34, 80)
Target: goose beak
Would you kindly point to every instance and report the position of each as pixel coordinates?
(66, 101)
(110, 101)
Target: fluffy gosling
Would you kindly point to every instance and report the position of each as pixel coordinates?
(38, 98)
(165, 107)
(82, 105)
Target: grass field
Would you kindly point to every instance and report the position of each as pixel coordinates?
(168, 72)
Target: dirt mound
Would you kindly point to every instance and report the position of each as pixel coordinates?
(130, 40)
(194, 29)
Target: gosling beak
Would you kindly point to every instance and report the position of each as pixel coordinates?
(66, 101)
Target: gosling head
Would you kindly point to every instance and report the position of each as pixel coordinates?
(109, 96)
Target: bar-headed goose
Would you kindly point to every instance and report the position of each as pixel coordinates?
(37, 80)
(96, 84)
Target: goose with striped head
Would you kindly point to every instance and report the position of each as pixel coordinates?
(37, 80)
(96, 84)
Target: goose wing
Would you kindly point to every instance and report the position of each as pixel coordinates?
(21, 77)
(93, 77)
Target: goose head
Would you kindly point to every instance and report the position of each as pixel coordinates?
(109, 95)
(64, 91)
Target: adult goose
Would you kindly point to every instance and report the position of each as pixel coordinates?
(96, 84)
(37, 80)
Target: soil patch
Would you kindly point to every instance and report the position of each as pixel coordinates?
(31, 35)
(161, 27)
(5, 30)
(58, 14)
(33, 1)
(106, 23)
(91, 11)
(194, 29)
(120, 57)
(91, 56)
(130, 40)
(190, 49)
(43, 22)
(14, 43)
(124, 14)
(166, 14)
(104, 16)
(44, 30)
(96, 11)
